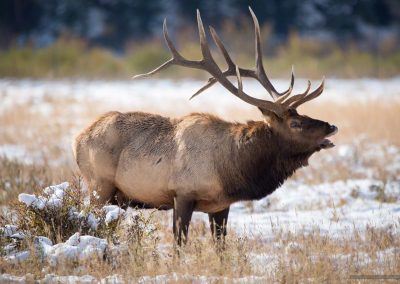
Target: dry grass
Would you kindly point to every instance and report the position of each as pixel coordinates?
(16, 177)
(320, 258)
(301, 256)
(379, 120)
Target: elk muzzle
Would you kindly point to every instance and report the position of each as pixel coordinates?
(325, 143)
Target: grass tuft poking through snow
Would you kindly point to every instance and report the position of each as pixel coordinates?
(53, 216)
(55, 228)
(58, 212)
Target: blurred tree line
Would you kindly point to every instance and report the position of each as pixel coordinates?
(113, 38)
(114, 23)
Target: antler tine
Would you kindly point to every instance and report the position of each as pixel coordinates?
(317, 92)
(231, 71)
(170, 62)
(297, 97)
(288, 91)
(239, 79)
(267, 105)
(283, 97)
(176, 59)
(151, 73)
(231, 66)
(205, 49)
(260, 72)
(170, 44)
(211, 81)
(220, 45)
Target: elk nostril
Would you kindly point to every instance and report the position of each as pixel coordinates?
(333, 129)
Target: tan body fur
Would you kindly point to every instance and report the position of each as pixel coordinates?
(152, 159)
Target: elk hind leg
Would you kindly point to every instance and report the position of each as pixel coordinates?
(183, 210)
(218, 222)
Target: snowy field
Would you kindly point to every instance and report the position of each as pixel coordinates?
(345, 191)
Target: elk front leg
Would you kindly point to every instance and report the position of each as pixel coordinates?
(218, 223)
(105, 191)
(183, 210)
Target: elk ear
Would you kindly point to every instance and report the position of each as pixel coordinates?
(269, 115)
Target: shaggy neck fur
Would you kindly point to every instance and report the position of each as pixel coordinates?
(262, 160)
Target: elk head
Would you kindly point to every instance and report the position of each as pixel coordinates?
(297, 131)
(300, 134)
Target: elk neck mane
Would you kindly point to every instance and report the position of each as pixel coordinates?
(260, 161)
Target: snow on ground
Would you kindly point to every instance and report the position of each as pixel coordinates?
(118, 279)
(174, 95)
(335, 208)
(54, 197)
(20, 153)
(78, 246)
(113, 212)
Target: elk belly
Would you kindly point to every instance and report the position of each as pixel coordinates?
(145, 180)
(212, 206)
(201, 186)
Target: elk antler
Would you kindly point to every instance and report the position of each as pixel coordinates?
(207, 63)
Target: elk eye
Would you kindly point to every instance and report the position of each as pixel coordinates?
(295, 124)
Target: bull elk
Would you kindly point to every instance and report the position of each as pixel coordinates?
(200, 162)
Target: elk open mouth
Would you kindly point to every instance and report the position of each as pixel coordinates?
(326, 143)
